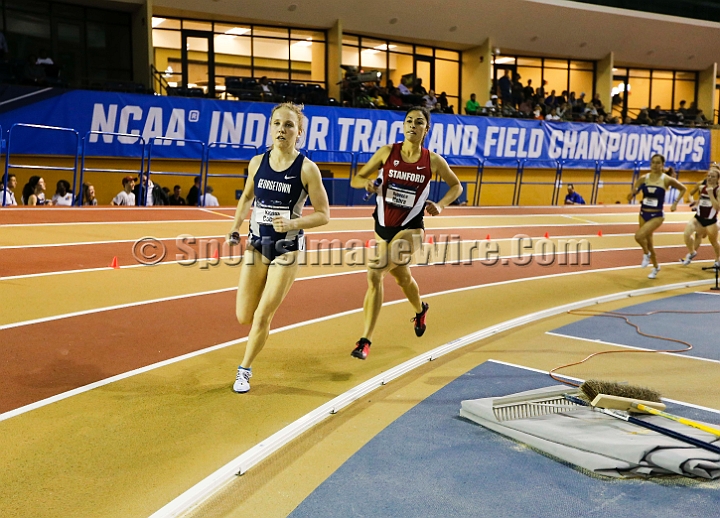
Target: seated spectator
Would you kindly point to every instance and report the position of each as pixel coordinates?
(176, 197)
(63, 197)
(565, 112)
(418, 88)
(404, 90)
(126, 197)
(571, 99)
(552, 116)
(572, 197)
(89, 195)
(192, 197)
(376, 99)
(154, 195)
(33, 73)
(562, 98)
(525, 108)
(537, 113)
(643, 117)
(430, 101)
(600, 119)
(580, 104)
(43, 58)
(699, 118)
(628, 121)
(395, 99)
(517, 91)
(491, 107)
(208, 199)
(33, 192)
(7, 196)
(682, 111)
(472, 106)
(655, 113)
(443, 104)
(551, 100)
(266, 90)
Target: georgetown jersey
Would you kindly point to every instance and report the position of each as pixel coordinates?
(404, 190)
(277, 194)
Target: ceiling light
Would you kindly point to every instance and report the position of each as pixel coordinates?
(583, 44)
(237, 31)
(306, 43)
(393, 21)
(503, 61)
(292, 7)
(453, 28)
(157, 21)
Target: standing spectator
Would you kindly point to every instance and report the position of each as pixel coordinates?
(682, 111)
(564, 112)
(526, 107)
(537, 112)
(176, 197)
(443, 104)
(63, 197)
(572, 197)
(505, 86)
(580, 103)
(89, 195)
(154, 195)
(7, 196)
(571, 99)
(517, 91)
(643, 117)
(550, 100)
(126, 197)
(34, 192)
(529, 91)
(472, 106)
(540, 92)
(208, 199)
(194, 193)
(266, 90)
(403, 89)
(418, 88)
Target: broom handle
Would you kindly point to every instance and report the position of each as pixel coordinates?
(665, 431)
(655, 428)
(683, 420)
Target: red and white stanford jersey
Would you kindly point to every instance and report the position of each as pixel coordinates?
(705, 208)
(404, 190)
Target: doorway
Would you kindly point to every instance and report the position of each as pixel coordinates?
(198, 61)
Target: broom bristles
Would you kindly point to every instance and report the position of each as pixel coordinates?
(591, 388)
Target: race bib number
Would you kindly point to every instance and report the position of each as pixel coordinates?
(650, 202)
(265, 215)
(400, 197)
(705, 202)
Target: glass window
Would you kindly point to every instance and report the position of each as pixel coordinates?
(556, 63)
(371, 59)
(400, 65)
(504, 60)
(530, 73)
(68, 32)
(661, 93)
(401, 47)
(446, 77)
(34, 6)
(686, 76)
(227, 44)
(423, 51)
(67, 11)
(233, 30)
(271, 58)
(638, 72)
(349, 40)
(273, 32)
(581, 81)
(662, 74)
(34, 25)
(582, 65)
(684, 91)
(447, 54)
(639, 92)
(165, 23)
(529, 62)
(350, 56)
(301, 55)
(556, 80)
(368, 43)
(307, 35)
(196, 26)
(161, 38)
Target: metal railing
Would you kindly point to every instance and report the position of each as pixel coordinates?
(237, 148)
(145, 179)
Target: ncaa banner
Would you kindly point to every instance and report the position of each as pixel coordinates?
(235, 130)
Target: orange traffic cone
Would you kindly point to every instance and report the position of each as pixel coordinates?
(430, 240)
(547, 235)
(216, 254)
(600, 233)
(114, 263)
(487, 238)
(369, 243)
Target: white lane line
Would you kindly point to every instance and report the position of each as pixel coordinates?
(122, 223)
(351, 272)
(625, 346)
(218, 213)
(206, 488)
(714, 293)
(684, 403)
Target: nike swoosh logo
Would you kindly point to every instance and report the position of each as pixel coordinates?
(290, 177)
(423, 167)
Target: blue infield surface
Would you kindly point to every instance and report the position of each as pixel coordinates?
(431, 462)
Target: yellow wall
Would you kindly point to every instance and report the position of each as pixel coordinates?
(476, 74)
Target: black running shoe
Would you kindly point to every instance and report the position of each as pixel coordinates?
(419, 320)
(362, 349)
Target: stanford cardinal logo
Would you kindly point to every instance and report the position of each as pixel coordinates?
(396, 162)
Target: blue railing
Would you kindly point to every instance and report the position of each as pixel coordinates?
(238, 153)
(144, 181)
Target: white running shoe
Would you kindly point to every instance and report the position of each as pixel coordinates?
(242, 380)
(645, 261)
(688, 259)
(654, 272)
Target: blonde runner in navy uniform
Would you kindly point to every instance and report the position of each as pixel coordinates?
(401, 185)
(653, 186)
(278, 183)
(705, 221)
